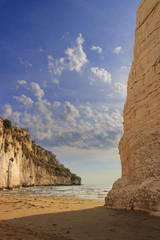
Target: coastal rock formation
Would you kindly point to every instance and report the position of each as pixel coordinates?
(23, 163)
(139, 186)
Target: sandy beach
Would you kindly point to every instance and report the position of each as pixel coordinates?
(25, 217)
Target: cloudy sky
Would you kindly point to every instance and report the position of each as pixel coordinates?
(64, 69)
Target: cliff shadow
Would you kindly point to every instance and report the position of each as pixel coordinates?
(97, 223)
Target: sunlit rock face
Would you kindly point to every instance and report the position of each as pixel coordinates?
(23, 163)
(139, 186)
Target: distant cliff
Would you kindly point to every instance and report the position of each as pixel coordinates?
(23, 163)
(139, 186)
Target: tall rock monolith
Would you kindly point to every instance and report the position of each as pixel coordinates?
(139, 186)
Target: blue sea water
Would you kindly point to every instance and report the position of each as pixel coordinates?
(87, 191)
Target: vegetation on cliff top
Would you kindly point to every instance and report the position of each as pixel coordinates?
(7, 123)
(40, 156)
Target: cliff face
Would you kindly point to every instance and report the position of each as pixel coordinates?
(139, 186)
(22, 163)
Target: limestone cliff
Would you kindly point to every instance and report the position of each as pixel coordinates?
(139, 186)
(22, 163)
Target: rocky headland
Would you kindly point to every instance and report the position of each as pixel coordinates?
(23, 163)
(139, 186)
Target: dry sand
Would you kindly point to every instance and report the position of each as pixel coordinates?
(51, 218)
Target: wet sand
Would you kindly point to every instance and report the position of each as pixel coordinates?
(24, 217)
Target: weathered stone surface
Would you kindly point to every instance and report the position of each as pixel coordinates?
(139, 186)
(22, 163)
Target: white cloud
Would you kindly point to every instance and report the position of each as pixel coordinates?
(97, 49)
(41, 50)
(75, 59)
(6, 112)
(101, 74)
(22, 82)
(124, 68)
(56, 81)
(76, 56)
(37, 91)
(56, 67)
(103, 108)
(41, 129)
(56, 104)
(25, 63)
(87, 111)
(25, 100)
(15, 117)
(59, 66)
(121, 89)
(101, 131)
(50, 57)
(70, 112)
(117, 50)
(45, 107)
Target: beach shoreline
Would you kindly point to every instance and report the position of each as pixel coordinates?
(37, 217)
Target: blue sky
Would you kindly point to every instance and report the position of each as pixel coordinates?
(64, 69)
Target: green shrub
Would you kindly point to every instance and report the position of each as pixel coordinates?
(6, 145)
(27, 137)
(19, 137)
(7, 123)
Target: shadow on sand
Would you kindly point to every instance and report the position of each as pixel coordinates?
(98, 223)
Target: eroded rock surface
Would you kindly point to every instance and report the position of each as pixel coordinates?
(139, 186)
(23, 163)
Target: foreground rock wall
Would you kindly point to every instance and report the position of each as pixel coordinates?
(139, 187)
(22, 163)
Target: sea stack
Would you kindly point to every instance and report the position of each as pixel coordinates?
(139, 186)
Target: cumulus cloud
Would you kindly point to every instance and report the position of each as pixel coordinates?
(70, 112)
(87, 111)
(54, 124)
(37, 91)
(56, 66)
(25, 100)
(74, 60)
(103, 108)
(56, 104)
(103, 131)
(97, 49)
(97, 129)
(99, 73)
(50, 57)
(40, 128)
(15, 117)
(22, 82)
(121, 89)
(76, 56)
(117, 50)
(44, 107)
(6, 112)
(56, 81)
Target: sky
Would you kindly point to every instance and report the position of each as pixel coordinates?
(64, 66)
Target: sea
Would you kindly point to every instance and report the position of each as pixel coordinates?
(85, 191)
